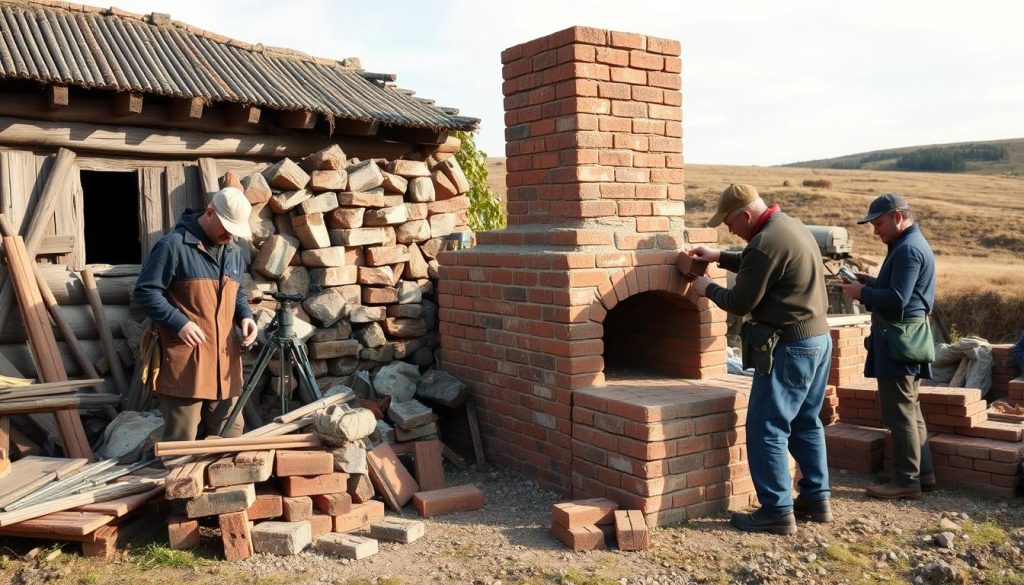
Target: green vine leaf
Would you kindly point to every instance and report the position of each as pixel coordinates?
(485, 210)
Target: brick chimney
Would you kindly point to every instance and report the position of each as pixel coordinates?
(582, 288)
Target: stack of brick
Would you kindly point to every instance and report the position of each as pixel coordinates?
(855, 448)
(858, 403)
(1004, 370)
(588, 524)
(293, 497)
(364, 235)
(673, 453)
(978, 464)
(848, 354)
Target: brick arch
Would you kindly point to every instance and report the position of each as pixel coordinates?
(669, 331)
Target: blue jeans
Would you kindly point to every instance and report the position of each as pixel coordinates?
(783, 417)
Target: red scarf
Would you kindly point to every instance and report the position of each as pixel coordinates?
(764, 217)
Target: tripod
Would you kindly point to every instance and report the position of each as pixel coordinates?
(280, 339)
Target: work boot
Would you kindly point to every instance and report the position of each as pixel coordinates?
(760, 521)
(813, 510)
(928, 482)
(893, 491)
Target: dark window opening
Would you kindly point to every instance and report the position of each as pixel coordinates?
(111, 208)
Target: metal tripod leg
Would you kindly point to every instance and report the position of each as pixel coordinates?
(308, 388)
(250, 385)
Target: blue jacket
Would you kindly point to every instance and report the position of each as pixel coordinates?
(1018, 353)
(181, 282)
(904, 288)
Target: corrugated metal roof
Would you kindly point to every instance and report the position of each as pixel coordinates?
(82, 46)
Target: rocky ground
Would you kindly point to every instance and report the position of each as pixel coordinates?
(948, 537)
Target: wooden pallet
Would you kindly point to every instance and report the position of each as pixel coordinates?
(97, 526)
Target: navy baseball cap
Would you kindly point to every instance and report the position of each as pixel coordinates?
(884, 204)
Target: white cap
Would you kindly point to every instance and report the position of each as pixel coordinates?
(233, 210)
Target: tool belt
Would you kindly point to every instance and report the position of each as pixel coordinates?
(759, 341)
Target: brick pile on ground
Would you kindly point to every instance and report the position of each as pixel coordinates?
(283, 501)
(590, 524)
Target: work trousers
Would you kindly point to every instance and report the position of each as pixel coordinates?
(183, 417)
(783, 418)
(901, 414)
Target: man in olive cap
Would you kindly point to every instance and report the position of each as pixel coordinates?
(191, 287)
(779, 283)
(903, 289)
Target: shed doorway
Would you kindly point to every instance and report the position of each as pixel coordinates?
(110, 202)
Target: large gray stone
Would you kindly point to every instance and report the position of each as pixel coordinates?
(441, 387)
(410, 414)
(364, 176)
(294, 281)
(371, 335)
(327, 306)
(281, 538)
(397, 380)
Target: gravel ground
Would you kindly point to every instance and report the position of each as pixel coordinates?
(947, 537)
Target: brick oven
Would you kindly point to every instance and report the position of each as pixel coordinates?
(593, 371)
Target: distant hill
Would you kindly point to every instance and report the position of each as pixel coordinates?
(993, 157)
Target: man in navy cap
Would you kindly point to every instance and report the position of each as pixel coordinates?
(903, 289)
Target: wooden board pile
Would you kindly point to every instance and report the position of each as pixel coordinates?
(359, 240)
(587, 524)
(98, 504)
(280, 493)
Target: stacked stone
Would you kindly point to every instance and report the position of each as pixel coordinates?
(358, 239)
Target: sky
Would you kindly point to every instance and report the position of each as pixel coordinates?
(764, 83)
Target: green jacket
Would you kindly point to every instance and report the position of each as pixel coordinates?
(779, 280)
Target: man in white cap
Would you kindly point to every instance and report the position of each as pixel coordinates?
(190, 286)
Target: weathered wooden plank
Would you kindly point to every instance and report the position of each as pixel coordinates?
(121, 506)
(176, 193)
(57, 245)
(151, 141)
(151, 197)
(210, 178)
(33, 472)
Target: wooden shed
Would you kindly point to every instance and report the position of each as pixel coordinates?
(154, 112)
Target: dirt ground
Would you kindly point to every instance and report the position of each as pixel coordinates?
(507, 542)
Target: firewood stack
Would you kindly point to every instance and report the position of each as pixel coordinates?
(359, 240)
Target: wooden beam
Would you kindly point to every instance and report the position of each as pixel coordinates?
(300, 119)
(414, 135)
(237, 114)
(91, 292)
(42, 341)
(57, 184)
(126, 104)
(186, 108)
(59, 245)
(56, 97)
(355, 127)
(210, 178)
(188, 145)
(95, 108)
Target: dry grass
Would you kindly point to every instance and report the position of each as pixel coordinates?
(972, 221)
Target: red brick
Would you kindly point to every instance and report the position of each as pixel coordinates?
(333, 504)
(330, 483)
(359, 517)
(290, 462)
(584, 512)
(267, 505)
(631, 530)
(320, 524)
(390, 476)
(461, 498)
(182, 532)
(580, 538)
(428, 466)
(235, 535)
(297, 508)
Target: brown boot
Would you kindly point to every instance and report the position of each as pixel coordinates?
(893, 491)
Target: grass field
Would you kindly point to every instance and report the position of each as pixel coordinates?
(1013, 165)
(974, 223)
